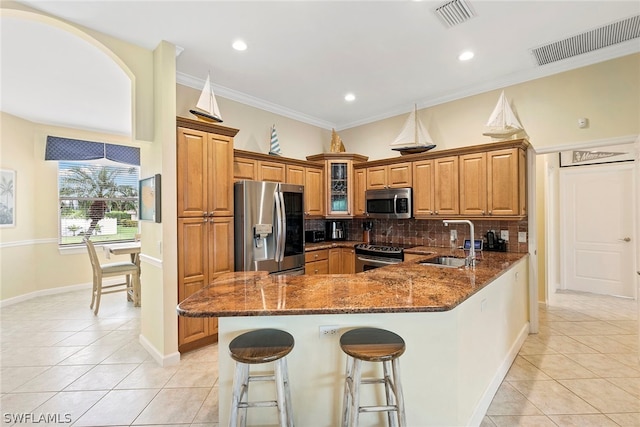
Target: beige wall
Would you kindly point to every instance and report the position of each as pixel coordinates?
(297, 139)
(608, 94)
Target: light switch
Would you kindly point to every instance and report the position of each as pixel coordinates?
(522, 237)
(504, 235)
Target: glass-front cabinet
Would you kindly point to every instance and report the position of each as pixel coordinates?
(339, 182)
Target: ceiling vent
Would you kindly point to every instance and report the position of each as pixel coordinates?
(588, 41)
(454, 13)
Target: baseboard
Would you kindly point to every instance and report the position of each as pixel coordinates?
(482, 406)
(52, 291)
(164, 361)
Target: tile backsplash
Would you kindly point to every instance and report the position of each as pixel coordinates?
(417, 232)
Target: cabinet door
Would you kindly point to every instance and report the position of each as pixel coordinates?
(317, 267)
(473, 184)
(503, 182)
(295, 174)
(271, 171)
(359, 189)
(376, 177)
(339, 188)
(314, 191)
(399, 175)
(335, 263)
(446, 185)
(192, 274)
(191, 171)
(220, 246)
(220, 175)
(348, 258)
(423, 190)
(244, 169)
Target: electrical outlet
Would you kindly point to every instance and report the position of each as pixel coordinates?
(522, 237)
(504, 235)
(329, 331)
(453, 235)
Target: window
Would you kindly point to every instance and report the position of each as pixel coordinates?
(97, 198)
(97, 190)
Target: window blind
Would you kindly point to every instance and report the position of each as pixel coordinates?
(65, 149)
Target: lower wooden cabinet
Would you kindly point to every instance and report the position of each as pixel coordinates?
(205, 251)
(316, 262)
(342, 261)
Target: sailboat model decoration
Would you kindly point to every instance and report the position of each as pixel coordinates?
(207, 107)
(503, 122)
(413, 138)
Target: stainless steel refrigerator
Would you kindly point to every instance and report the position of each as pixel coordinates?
(269, 227)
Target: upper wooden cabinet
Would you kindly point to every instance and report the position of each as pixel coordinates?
(339, 191)
(359, 189)
(480, 181)
(264, 167)
(389, 176)
(204, 175)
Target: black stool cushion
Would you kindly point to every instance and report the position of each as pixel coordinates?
(261, 346)
(372, 344)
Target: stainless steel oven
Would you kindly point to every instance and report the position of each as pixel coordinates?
(369, 257)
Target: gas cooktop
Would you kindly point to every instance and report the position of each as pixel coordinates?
(383, 248)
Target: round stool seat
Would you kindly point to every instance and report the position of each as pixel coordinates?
(372, 344)
(261, 346)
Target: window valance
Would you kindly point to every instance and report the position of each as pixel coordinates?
(59, 148)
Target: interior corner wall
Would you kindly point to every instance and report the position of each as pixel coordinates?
(159, 319)
(297, 139)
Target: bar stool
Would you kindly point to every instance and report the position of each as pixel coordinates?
(255, 347)
(372, 345)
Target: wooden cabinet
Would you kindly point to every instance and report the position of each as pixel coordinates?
(295, 174)
(423, 188)
(446, 198)
(314, 190)
(204, 181)
(342, 261)
(338, 182)
(271, 171)
(316, 262)
(395, 175)
(493, 183)
(473, 184)
(203, 159)
(359, 189)
(506, 182)
(244, 169)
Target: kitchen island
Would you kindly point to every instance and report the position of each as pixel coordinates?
(463, 328)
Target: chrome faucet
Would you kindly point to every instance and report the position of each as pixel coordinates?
(471, 259)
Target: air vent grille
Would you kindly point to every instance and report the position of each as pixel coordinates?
(454, 13)
(588, 41)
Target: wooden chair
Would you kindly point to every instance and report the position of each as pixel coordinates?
(127, 269)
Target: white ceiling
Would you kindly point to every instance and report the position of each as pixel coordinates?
(303, 56)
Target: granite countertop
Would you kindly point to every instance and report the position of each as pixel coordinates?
(403, 287)
(308, 247)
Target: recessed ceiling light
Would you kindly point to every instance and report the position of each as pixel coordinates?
(466, 55)
(349, 97)
(239, 45)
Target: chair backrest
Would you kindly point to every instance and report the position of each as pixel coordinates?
(93, 256)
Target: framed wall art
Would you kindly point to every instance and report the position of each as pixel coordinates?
(149, 199)
(7, 198)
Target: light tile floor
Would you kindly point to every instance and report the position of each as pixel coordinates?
(581, 369)
(58, 361)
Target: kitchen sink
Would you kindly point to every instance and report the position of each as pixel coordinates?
(444, 261)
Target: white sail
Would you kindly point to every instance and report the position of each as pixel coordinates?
(207, 105)
(502, 122)
(413, 133)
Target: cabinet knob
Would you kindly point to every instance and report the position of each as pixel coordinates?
(315, 271)
(483, 213)
(436, 212)
(490, 213)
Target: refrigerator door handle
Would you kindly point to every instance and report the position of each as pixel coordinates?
(278, 232)
(283, 220)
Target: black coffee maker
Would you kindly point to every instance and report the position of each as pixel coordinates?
(336, 230)
(494, 243)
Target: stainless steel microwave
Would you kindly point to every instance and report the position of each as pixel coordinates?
(394, 203)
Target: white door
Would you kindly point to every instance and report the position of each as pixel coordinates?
(597, 218)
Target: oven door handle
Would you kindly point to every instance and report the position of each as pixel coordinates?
(378, 261)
